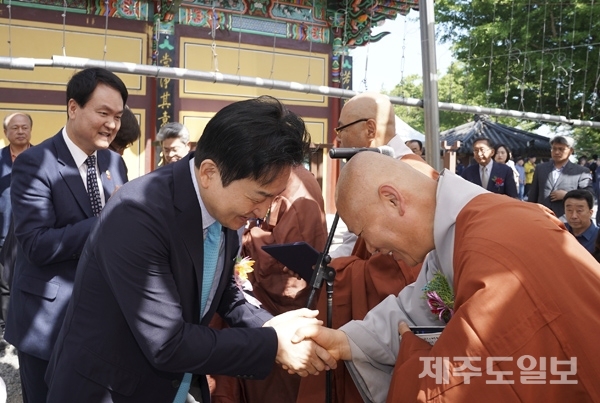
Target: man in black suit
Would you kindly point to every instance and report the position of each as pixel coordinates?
(136, 329)
(553, 179)
(53, 216)
(497, 178)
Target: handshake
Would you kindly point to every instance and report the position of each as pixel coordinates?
(305, 346)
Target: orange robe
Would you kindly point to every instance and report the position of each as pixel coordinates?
(361, 282)
(298, 214)
(513, 299)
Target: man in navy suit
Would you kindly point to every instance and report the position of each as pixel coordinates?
(497, 178)
(53, 217)
(553, 179)
(17, 129)
(136, 329)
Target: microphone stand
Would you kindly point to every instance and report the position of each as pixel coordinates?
(325, 273)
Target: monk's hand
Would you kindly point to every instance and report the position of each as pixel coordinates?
(335, 342)
(403, 328)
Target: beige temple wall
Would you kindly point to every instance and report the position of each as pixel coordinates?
(266, 62)
(253, 61)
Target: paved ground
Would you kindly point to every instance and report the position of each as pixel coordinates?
(9, 364)
(9, 372)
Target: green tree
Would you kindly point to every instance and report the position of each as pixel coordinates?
(535, 56)
(587, 141)
(411, 87)
(452, 88)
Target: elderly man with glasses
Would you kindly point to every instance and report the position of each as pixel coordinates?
(553, 179)
(368, 120)
(493, 176)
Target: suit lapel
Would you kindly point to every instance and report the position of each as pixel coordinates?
(70, 174)
(491, 186)
(475, 173)
(549, 167)
(106, 176)
(564, 174)
(189, 222)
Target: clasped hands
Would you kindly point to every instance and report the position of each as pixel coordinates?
(305, 346)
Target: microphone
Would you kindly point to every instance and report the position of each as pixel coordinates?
(348, 153)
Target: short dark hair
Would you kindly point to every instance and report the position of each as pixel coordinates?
(128, 133)
(580, 194)
(82, 85)
(253, 139)
(565, 140)
(487, 140)
(419, 142)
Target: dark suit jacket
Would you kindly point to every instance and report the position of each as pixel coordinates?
(133, 325)
(573, 177)
(52, 219)
(5, 169)
(502, 180)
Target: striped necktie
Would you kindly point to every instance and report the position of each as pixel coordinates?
(212, 241)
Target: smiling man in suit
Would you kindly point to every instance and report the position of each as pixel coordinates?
(553, 179)
(53, 214)
(497, 178)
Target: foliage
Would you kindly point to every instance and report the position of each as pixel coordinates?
(452, 88)
(587, 141)
(527, 55)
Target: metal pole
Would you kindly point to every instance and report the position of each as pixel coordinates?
(430, 88)
(15, 63)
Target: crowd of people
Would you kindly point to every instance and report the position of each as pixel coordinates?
(566, 188)
(142, 291)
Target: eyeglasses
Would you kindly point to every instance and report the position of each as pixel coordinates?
(340, 128)
(481, 150)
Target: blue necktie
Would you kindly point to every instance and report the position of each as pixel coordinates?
(92, 185)
(211, 255)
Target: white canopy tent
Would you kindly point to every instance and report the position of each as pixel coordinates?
(406, 132)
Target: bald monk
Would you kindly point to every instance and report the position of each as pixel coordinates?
(517, 307)
(362, 280)
(367, 120)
